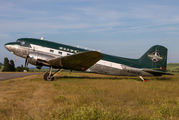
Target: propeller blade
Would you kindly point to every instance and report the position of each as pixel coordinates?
(16, 59)
(26, 62)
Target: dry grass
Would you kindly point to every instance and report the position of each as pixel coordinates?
(89, 96)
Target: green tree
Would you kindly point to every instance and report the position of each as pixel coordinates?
(12, 65)
(1, 64)
(6, 65)
(21, 68)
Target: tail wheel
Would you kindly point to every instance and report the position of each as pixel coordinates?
(47, 77)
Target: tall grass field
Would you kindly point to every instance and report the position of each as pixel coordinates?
(87, 96)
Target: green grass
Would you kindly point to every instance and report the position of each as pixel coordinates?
(90, 96)
(172, 66)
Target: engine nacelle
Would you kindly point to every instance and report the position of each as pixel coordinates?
(36, 58)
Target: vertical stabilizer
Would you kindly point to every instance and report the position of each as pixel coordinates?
(155, 58)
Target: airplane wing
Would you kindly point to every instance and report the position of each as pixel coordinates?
(80, 61)
(155, 72)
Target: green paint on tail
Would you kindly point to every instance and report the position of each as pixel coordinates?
(155, 58)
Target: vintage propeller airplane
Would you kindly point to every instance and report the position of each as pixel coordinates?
(41, 52)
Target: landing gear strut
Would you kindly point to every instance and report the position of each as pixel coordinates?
(48, 76)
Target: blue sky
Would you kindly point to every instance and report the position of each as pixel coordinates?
(125, 28)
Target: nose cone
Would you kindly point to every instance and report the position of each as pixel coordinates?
(7, 46)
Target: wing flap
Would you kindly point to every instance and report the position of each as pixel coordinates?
(80, 61)
(155, 72)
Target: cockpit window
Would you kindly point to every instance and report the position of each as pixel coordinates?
(18, 41)
(22, 42)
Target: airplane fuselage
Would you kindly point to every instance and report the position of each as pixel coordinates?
(38, 51)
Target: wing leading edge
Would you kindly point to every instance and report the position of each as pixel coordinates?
(80, 61)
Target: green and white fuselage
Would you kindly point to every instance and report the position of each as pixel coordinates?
(45, 53)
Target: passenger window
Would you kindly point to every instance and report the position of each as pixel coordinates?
(60, 53)
(51, 51)
(68, 54)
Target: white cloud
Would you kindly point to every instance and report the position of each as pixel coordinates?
(91, 19)
(156, 14)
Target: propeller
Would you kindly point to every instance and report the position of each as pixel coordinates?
(26, 62)
(15, 60)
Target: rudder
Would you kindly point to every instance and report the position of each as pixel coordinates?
(155, 58)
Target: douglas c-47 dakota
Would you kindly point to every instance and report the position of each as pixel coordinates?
(55, 55)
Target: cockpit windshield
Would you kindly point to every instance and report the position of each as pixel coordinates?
(18, 41)
(21, 42)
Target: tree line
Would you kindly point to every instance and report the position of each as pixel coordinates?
(1, 65)
(9, 66)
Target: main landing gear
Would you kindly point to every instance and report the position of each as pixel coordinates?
(48, 76)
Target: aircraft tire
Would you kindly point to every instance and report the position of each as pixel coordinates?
(47, 78)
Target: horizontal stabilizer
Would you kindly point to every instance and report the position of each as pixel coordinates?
(80, 61)
(155, 72)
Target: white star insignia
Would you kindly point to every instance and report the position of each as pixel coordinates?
(155, 56)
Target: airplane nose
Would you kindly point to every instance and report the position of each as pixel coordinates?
(7, 46)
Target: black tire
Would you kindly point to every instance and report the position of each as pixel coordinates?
(47, 78)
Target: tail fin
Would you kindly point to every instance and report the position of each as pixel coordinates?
(155, 58)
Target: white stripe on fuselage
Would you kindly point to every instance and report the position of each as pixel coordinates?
(64, 53)
(109, 64)
(47, 50)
